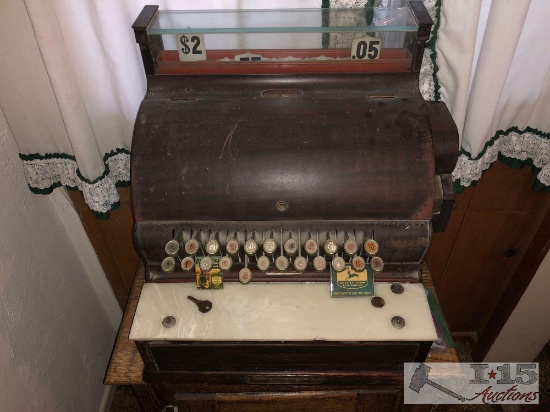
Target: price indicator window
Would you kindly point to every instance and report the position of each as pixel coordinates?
(324, 40)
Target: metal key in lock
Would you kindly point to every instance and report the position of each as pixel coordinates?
(203, 305)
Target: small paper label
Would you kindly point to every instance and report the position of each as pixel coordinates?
(351, 283)
(366, 48)
(191, 47)
(248, 57)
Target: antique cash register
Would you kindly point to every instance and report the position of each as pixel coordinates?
(286, 180)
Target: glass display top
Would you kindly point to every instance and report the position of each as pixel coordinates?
(366, 19)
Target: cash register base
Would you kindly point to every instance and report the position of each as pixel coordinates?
(377, 391)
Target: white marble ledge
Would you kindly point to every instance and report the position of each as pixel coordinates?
(280, 312)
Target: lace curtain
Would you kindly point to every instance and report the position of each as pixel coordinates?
(71, 81)
(491, 67)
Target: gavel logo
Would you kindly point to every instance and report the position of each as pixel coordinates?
(420, 378)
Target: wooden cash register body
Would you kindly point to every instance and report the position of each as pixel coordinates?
(283, 151)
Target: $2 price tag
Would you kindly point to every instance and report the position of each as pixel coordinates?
(191, 47)
(366, 48)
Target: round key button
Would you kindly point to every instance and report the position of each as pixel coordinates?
(350, 247)
(371, 247)
(358, 263)
(270, 246)
(251, 247)
(225, 263)
(206, 264)
(319, 264)
(291, 247)
(338, 264)
(212, 247)
(330, 247)
(245, 276)
(377, 264)
(172, 248)
(192, 247)
(311, 247)
(263, 263)
(281, 263)
(168, 264)
(232, 247)
(300, 264)
(187, 263)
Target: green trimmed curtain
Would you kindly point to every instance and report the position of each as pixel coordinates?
(490, 64)
(71, 81)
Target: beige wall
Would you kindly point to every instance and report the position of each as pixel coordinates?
(58, 317)
(528, 328)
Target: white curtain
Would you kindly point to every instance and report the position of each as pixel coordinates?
(493, 60)
(71, 80)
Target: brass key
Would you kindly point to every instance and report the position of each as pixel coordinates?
(203, 305)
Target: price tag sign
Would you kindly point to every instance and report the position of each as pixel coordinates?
(366, 48)
(191, 47)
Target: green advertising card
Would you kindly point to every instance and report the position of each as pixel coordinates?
(350, 283)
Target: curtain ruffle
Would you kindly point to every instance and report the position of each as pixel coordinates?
(44, 173)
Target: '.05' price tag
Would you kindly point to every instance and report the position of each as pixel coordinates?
(191, 47)
(366, 48)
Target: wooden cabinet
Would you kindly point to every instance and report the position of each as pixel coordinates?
(474, 263)
(378, 392)
(281, 401)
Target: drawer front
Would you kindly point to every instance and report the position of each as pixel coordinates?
(318, 401)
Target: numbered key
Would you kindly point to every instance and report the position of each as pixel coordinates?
(269, 246)
(232, 247)
(225, 263)
(212, 247)
(330, 247)
(263, 263)
(281, 263)
(250, 247)
(358, 263)
(192, 247)
(338, 264)
(300, 264)
(377, 264)
(371, 247)
(291, 247)
(172, 248)
(350, 247)
(245, 276)
(206, 264)
(187, 263)
(168, 264)
(311, 247)
(319, 264)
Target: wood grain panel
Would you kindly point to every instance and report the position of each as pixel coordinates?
(504, 188)
(496, 231)
(112, 241)
(282, 402)
(540, 245)
(442, 243)
(100, 242)
(118, 231)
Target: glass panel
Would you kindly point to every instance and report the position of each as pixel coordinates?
(283, 21)
(375, 39)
